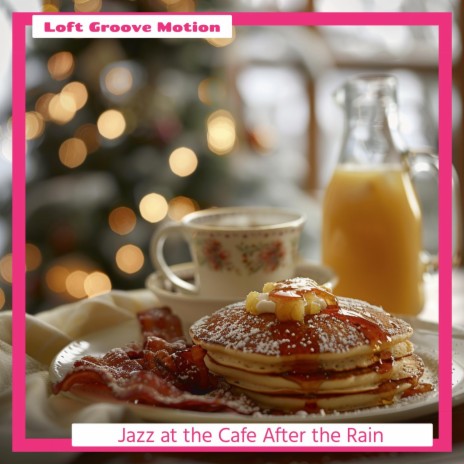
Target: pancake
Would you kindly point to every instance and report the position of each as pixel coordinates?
(351, 381)
(285, 364)
(354, 329)
(330, 403)
(346, 354)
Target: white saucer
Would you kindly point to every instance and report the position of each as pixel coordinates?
(190, 308)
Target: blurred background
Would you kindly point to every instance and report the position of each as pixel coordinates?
(123, 135)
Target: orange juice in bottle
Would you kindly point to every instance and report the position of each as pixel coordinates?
(373, 237)
(372, 231)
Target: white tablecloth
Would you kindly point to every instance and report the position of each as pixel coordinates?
(47, 333)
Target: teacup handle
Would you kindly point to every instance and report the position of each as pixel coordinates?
(425, 160)
(157, 257)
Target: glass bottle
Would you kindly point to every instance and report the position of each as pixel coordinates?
(372, 231)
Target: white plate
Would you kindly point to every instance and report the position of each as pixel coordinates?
(425, 340)
(190, 308)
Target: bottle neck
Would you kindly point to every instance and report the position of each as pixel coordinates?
(372, 134)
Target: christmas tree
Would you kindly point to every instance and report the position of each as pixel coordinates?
(122, 134)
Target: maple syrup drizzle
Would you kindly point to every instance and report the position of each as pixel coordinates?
(296, 289)
(318, 377)
(384, 366)
(418, 389)
(369, 327)
(386, 387)
(288, 291)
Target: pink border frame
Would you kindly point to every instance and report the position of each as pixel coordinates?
(444, 23)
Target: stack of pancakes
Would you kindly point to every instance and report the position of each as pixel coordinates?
(347, 357)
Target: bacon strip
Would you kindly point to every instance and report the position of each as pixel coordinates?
(164, 371)
(160, 322)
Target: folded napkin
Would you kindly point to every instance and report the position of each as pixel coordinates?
(50, 416)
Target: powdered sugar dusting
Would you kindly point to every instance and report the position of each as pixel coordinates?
(354, 324)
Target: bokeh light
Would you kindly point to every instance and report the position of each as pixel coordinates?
(204, 92)
(33, 257)
(87, 6)
(179, 5)
(211, 90)
(68, 102)
(129, 259)
(75, 283)
(77, 91)
(73, 152)
(153, 207)
(89, 134)
(97, 283)
(61, 65)
(119, 80)
(61, 108)
(122, 220)
(50, 8)
(221, 42)
(221, 132)
(50, 4)
(111, 124)
(183, 161)
(55, 278)
(35, 125)
(2, 298)
(6, 271)
(180, 206)
(42, 105)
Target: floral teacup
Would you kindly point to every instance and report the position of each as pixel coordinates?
(234, 250)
